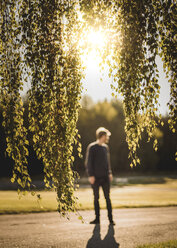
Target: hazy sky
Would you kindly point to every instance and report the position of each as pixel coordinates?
(99, 90)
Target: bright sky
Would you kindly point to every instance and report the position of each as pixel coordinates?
(99, 90)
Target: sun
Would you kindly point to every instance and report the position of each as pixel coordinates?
(96, 39)
(93, 44)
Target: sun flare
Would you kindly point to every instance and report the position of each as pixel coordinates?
(96, 39)
(93, 42)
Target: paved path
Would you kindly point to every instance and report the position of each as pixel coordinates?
(133, 227)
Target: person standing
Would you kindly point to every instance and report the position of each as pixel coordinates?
(98, 168)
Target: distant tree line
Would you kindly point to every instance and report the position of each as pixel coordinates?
(110, 115)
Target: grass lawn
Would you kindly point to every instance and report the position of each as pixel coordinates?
(168, 244)
(139, 195)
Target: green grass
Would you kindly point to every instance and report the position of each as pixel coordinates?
(168, 244)
(148, 195)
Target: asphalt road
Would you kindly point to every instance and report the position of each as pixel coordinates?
(133, 227)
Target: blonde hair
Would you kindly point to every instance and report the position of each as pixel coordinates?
(102, 131)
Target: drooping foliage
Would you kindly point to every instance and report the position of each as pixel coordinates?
(39, 45)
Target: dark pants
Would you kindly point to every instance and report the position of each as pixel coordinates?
(105, 184)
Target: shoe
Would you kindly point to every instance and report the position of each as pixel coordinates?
(112, 222)
(95, 222)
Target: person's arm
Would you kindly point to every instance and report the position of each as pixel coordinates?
(109, 161)
(89, 161)
(109, 164)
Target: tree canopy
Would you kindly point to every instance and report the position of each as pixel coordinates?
(40, 44)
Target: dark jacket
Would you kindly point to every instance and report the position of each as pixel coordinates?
(97, 160)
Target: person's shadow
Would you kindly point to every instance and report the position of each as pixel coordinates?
(108, 242)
